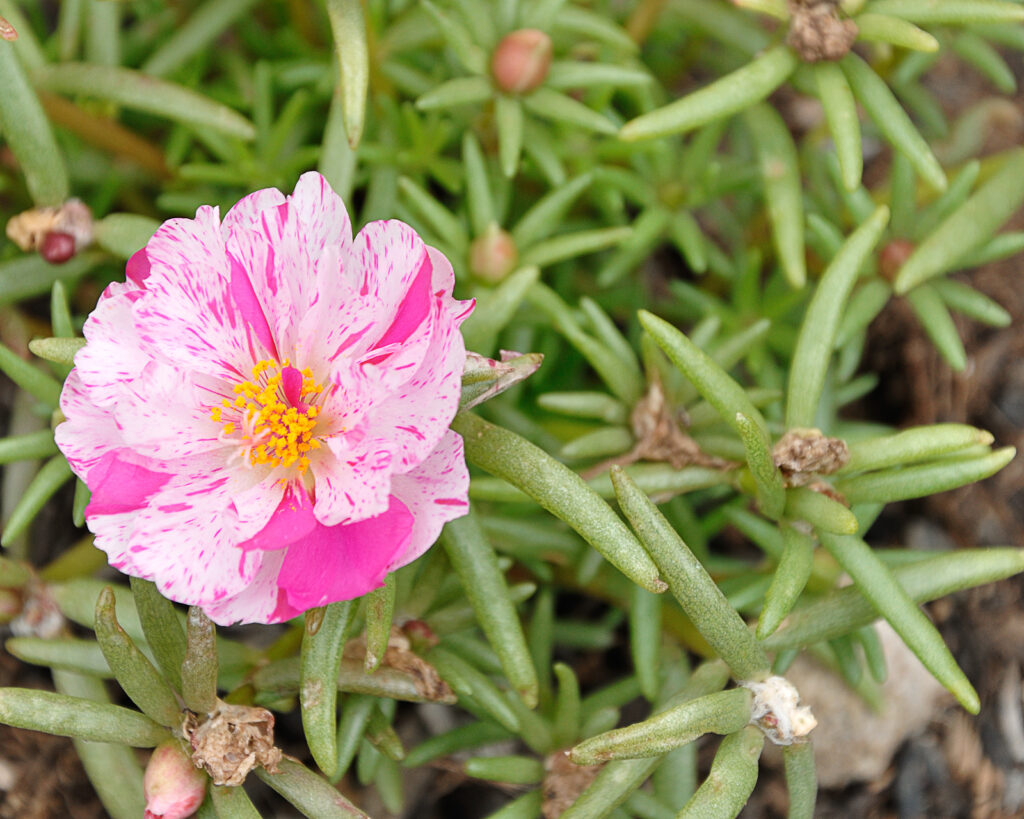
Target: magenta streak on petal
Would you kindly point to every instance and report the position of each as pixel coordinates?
(414, 432)
(451, 501)
(291, 381)
(292, 520)
(137, 269)
(249, 306)
(345, 561)
(413, 310)
(119, 486)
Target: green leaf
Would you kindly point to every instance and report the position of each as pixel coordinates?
(771, 491)
(783, 194)
(199, 666)
(438, 218)
(27, 447)
(232, 803)
(714, 384)
(76, 717)
(823, 513)
(645, 639)
(882, 28)
(620, 777)
(728, 95)
(938, 324)
(570, 75)
(567, 706)
(912, 445)
(553, 105)
(968, 227)
(121, 795)
(549, 211)
(721, 713)
(479, 199)
(801, 779)
(476, 563)
(527, 806)
(458, 38)
(44, 485)
(163, 632)
(950, 12)
(731, 780)
(509, 120)
(68, 654)
(843, 122)
(846, 610)
(320, 663)
(469, 683)
(970, 302)
(123, 234)
(459, 91)
(495, 309)
(311, 794)
(821, 321)
(625, 382)
(27, 131)
(134, 672)
(195, 35)
(904, 482)
(516, 770)
(135, 90)
(788, 581)
(29, 377)
(889, 598)
(690, 583)
(892, 120)
(559, 490)
(380, 611)
(348, 25)
(29, 276)
(57, 350)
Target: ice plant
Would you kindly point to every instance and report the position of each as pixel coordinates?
(261, 411)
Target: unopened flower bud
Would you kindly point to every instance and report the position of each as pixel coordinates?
(521, 61)
(174, 787)
(493, 255)
(11, 603)
(57, 247)
(893, 256)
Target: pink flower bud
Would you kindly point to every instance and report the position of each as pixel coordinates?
(893, 256)
(493, 255)
(57, 247)
(173, 786)
(521, 61)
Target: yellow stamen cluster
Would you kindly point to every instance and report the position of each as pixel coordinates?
(273, 433)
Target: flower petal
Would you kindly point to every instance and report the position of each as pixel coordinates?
(342, 562)
(292, 250)
(435, 492)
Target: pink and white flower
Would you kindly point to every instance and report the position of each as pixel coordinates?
(261, 411)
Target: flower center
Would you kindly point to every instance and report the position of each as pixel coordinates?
(275, 413)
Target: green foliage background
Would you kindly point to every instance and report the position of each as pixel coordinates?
(700, 276)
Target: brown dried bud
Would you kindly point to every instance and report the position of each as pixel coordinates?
(816, 31)
(801, 454)
(493, 255)
(521, 61)
(231, 741)
(57, 247)
(893, 256)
